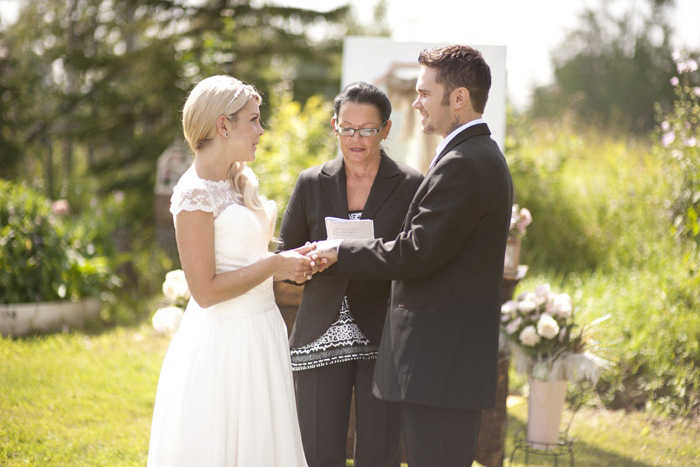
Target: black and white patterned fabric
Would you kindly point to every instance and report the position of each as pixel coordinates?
(342, 342)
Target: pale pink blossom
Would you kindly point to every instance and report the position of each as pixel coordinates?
(513, 325)
(687, 66)
(674, 81)
(668, 138)
(60, 207)
(691, 142)
(696, 91)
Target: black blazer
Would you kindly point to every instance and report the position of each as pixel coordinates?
(320, 192)
(439, 346)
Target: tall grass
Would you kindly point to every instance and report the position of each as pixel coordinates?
(602, 232)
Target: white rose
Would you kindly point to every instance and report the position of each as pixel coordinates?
(547, 327)
(513, 325)
(166, 320)
(175, 275)
(562, 305)
(509, 307)
(529, 337)
(527, 306)
(171, 289)
(175, 286)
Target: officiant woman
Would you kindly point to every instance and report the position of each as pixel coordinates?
(337, 329)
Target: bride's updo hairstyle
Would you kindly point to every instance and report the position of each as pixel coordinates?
(224, 95)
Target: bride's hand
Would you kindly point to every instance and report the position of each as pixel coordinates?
(294, 266)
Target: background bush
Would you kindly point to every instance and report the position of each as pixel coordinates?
(603, 232)
(43, 257)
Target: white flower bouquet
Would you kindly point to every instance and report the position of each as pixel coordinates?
(167, 319)
(539, 329)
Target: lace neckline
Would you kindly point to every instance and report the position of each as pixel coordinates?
(219, 183)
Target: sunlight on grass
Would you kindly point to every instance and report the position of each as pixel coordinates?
(74, 399)
(85, 400)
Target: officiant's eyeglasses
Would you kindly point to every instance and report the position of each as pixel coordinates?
(367, 132)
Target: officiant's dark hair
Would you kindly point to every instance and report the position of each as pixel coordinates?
(364, 93)
(460, 66)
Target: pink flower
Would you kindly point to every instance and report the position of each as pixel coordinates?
(675, 81)
(60, 207)
(513, 325)
(691, 142)
(525, 219)
(687, 66)
(668, 138)
(696, 91)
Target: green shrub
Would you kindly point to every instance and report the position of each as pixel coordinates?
(43, 257)
(602, 232)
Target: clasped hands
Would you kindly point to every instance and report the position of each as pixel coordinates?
(300, 264)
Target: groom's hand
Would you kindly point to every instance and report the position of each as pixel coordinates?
(325, 254)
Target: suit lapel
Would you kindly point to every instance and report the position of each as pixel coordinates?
(334, 184)
(384, 183)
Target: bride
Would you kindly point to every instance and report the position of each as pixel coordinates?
(225, 395)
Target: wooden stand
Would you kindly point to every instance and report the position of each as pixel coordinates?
(494, 422)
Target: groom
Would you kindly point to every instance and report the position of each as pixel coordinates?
(438, 352)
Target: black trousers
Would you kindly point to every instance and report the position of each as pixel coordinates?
(323, 403)
(438, 437)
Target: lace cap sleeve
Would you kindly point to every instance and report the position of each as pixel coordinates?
(189, 195)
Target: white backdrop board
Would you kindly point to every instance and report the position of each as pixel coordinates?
(393, 66)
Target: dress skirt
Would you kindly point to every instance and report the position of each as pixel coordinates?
(225, 395)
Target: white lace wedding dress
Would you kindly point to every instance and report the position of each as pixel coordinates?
(225, 394)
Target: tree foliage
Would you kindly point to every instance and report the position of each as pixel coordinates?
(103, 81)
(613, 68)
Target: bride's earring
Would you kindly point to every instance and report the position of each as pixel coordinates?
(226, 134)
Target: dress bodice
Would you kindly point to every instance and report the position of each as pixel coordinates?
(241, 236)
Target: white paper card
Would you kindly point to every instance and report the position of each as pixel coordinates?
(346, 229)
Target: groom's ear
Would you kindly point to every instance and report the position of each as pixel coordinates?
(459, 98)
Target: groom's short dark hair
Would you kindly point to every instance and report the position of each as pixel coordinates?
(460, 66)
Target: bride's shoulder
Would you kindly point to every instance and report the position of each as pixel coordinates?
(192, 193)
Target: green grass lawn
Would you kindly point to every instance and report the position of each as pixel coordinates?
(77, 399)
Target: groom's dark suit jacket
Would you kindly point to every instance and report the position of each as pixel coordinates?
(319, 192)
(439, 345)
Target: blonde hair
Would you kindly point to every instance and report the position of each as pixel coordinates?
(225, 95)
